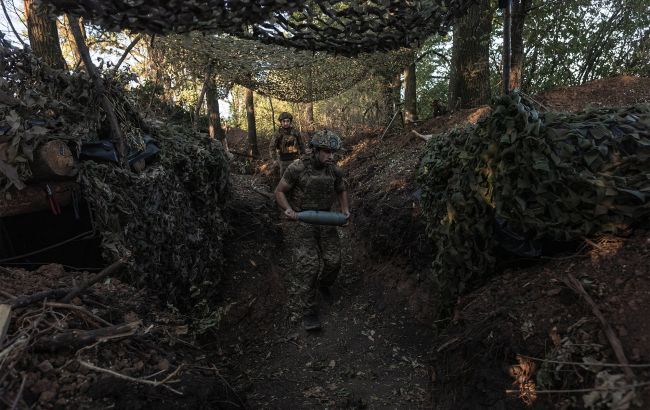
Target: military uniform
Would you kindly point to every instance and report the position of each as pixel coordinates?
(286, 146)
(315, 249)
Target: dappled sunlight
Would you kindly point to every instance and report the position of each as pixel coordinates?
(523, 372)
(477, 114)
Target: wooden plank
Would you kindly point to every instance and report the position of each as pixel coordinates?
(5, 318)
(33, 198)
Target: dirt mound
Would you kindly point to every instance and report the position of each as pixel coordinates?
(606, 92)
(533, 312)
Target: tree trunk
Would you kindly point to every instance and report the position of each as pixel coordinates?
(519, 10)
(253, 149)
(156, 56)
(410, 96)
(214, 118)
(199, 102)
(76, 338)
(391, 98)
(78, 62)
(43, 36)
(272, 113)
(469, 82)
(309, 114)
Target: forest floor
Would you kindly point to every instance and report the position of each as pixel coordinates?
(380, 346)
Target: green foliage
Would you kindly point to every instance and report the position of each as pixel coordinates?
(584, 40)
(554, 176)
(432, 74)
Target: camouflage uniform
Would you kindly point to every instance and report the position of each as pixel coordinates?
(315, 249)
(286, 146)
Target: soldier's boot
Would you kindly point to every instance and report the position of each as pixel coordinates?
(311, 322)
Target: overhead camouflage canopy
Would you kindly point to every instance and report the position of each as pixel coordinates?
(341, 27)
(289, 75)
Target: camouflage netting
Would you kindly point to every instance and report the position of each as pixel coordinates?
(552, 176)
(37, 104)
(342, 27)
(167, 220)
(289, 75)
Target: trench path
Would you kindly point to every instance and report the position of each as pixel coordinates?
(371, 353)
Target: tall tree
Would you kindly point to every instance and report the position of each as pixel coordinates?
(309, 113)
(43, 35)
(519, 10)
(250, 118)
(410, 96)
(71, 45)
(214, 118)
(391, 87)
(469, 82)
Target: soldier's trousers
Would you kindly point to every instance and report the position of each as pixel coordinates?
(315, 261)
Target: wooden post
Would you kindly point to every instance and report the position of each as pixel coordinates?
(5, 319)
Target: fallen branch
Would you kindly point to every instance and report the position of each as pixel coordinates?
(126, 53)
(614, 341)
(77, 338)
(79, 309)
(133, 379)
(606, 388)
(19, 395)
(100, 276)
(426, 137)
(53, 294)
(643, 365)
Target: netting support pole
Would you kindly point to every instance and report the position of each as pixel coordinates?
(507, 24)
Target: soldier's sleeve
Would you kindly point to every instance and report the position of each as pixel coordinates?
(292, 173)
(339, 180)
(273, 147)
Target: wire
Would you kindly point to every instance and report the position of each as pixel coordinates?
(83, 235)
(68, 267)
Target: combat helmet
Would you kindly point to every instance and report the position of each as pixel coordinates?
(326, 139)
(285, 116)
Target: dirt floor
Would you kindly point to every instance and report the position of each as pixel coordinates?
(528, 329)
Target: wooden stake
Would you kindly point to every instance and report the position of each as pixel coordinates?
(614, 341)
(5, 318)
(100, 276)
(118, 138)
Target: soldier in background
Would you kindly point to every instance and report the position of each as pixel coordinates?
(286, 145)
(313, 183)
(437, 108)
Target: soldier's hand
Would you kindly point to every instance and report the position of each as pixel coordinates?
(347, 217)
(291, 214)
